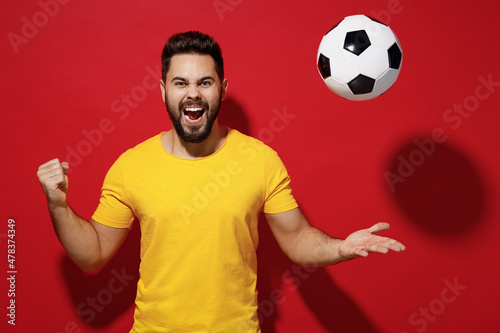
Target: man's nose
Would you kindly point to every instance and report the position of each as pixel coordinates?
(193, 92)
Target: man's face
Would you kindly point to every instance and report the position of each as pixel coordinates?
(192, 92)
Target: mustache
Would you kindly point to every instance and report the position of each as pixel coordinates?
(200, 103)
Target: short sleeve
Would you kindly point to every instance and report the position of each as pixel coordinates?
(113, 209)
(279, 196)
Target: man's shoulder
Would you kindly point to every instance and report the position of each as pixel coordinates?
(151, 143)
(245, 143)
(143, 149)
(241, 138)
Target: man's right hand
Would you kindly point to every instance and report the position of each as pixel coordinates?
(88, 243)
(53, 176)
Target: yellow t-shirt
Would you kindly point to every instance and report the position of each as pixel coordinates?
(198, 220)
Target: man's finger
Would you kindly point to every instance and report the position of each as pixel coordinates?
(361, 253)
(381, 226)
(397, 247)
(65, 166)
(379, 248)
(48, 163)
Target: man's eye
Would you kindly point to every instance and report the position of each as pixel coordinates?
(180, 84)
(205, 83)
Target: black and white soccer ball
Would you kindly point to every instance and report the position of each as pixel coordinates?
(359, 58)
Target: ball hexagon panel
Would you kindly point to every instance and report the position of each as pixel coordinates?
(339, 87)
(385, 81)
(373, 62)
(344, 65)
(380, 35)
(354, 22)
(331, 43)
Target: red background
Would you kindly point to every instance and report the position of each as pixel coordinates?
(68, 69)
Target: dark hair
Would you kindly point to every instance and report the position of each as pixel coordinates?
(191, 42)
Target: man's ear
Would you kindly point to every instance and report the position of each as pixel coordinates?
(224, 89)
(162, 87)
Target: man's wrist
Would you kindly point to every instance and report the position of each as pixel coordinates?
(57, 206)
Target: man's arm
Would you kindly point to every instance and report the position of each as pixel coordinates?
(308, 246)
(88, 243)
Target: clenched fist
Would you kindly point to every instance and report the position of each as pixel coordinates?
(53, 176)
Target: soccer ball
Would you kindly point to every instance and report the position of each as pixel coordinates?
(360, 58)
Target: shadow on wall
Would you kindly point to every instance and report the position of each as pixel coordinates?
(231, 114)
(332, 307)
(101, 297)
(437, 187)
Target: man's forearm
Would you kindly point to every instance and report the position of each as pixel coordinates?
(314, 248)
(77, 236)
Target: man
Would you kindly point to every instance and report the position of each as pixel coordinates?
(197, 191)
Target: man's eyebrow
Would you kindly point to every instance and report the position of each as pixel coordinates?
(208, 77)
(178, 78)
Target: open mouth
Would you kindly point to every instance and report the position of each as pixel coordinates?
(194, 113)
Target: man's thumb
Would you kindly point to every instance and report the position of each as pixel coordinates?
(65, 166)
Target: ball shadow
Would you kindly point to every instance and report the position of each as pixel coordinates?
(437, 187)
(101, 297)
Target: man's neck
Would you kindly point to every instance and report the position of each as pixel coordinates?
(175, 146)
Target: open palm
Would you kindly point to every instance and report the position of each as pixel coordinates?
(363, 242)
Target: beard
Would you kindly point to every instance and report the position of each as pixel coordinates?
(196, 133)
